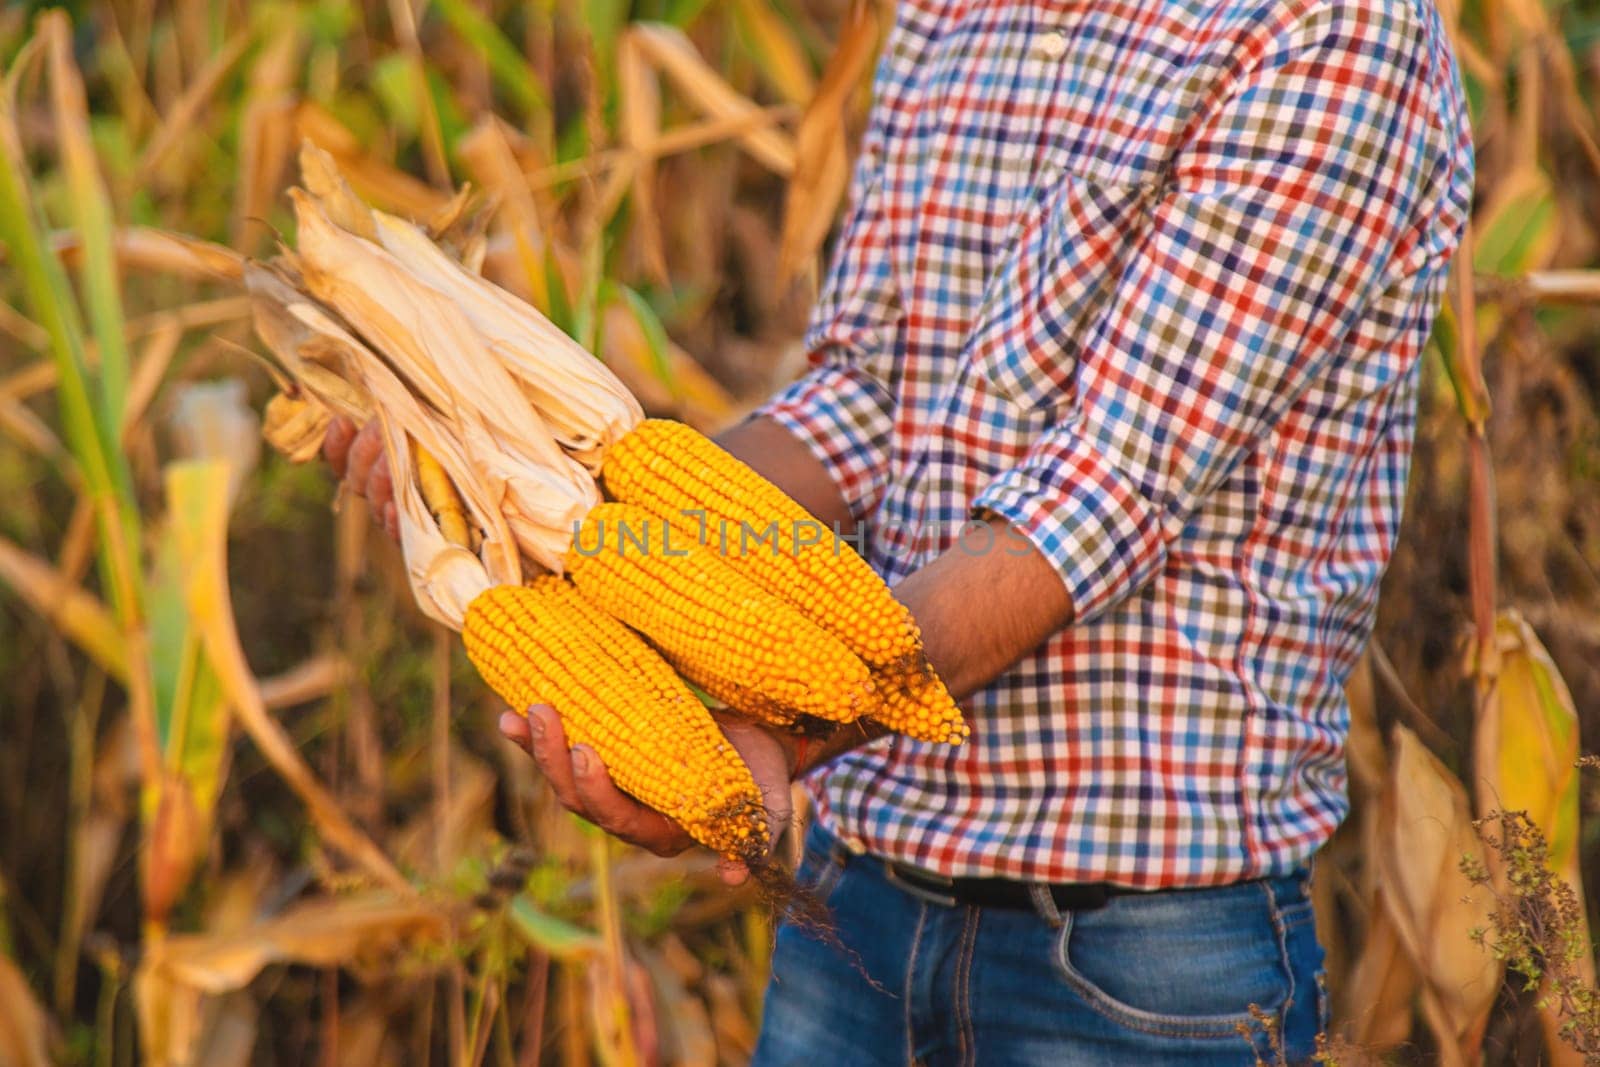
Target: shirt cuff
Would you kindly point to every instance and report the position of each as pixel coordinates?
(1088, 519)
(842, 414)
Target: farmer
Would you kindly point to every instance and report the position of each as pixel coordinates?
(1114, 379)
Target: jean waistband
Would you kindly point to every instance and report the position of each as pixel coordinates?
(1014, 894)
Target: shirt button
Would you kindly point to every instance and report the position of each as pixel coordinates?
(1054, 45)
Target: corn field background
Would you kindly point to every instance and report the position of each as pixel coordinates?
(253, 808)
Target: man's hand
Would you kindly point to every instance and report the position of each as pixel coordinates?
(585, 788)
(358, 457)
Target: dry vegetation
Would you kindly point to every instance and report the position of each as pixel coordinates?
(252, 806)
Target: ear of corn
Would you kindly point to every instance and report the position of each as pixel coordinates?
(543, 643)
(919, 707)
(722, 630)
(490, 417)
(677, 472)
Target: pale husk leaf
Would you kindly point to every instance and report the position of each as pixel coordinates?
(585, 405)
(433, 347)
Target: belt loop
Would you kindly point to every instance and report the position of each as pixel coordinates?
(1044, 905)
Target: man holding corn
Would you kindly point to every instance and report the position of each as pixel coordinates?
(1137, 292)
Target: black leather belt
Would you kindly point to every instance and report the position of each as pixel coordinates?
(998, 892)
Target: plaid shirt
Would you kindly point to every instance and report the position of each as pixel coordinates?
(1151, 282)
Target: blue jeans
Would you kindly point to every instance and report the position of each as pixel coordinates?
(1149, 979)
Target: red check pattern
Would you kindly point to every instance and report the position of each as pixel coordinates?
(1150, 281)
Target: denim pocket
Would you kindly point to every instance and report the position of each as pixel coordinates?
(1197, 964)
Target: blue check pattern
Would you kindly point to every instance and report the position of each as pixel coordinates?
(1151, 282)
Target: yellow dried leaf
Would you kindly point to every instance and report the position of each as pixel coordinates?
(146, 249)
(822, 168)
(322, 180)
(1526, 751)
(1364, 747)
(1381, 987)
(323, 933)
(639, 123)
(24, 1027)
(314, 361)
(80, 617)
(427, 338)
(670, 52)
(1423, 831)
(780, 59)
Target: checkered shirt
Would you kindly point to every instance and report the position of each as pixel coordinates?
(1150, 281)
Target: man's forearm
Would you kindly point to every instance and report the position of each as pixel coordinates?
(985, 603)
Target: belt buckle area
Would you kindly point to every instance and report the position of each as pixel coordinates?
(1086, 896)
(908, 880)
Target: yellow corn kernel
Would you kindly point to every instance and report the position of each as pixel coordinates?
(679, 473)
(720, 629)
(442, 499)
(543, 643)
(919, 706)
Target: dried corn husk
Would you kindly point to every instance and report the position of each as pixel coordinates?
(481, 491)
(433, 348)
(586, 406)
(476, 393)
(295, 426)
(316, 362)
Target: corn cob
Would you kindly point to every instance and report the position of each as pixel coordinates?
(545, 643)
(919, 707)
(677, 472)
(720, 629)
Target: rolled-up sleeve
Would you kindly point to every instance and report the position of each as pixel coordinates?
(1292, 204)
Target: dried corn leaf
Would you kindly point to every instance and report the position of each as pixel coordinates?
(1423, 832)
(346, 931)
(69, 608)
(1377, 1002)
(1527, 748)
(378, 182)
(313, 360)
(693, 395)
(295, 426)
(670, 51)
(1364, 753)
(639, 123)
(493, 158)
(334, 195)
(444, 576)
(209, 605)
(146, 249)
(266, 124)
(780, 59)
(24, 1027)
(822, 167)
